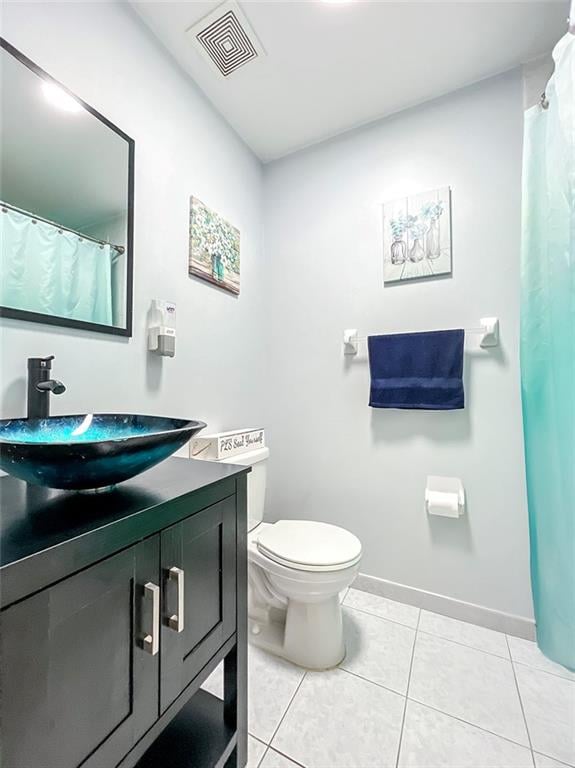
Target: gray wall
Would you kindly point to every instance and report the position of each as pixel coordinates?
(332, 457)
(183, 147)
(274, 355)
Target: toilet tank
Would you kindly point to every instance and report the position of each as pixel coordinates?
(206, 448)
(258, 461)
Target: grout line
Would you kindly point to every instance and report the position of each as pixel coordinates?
(559, 762)
(465, 645)
(257, 738)
(509, 657)
(383, 618)
(287, 757)
(372, 682)
(422, 703)
(287, 710)
(545, 671)
(261, 741)
(468, 722)
(569, 676)
(521, 703)
(450, 640)
(407, 692)
(492, 622)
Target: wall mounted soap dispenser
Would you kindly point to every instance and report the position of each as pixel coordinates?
(162, 328)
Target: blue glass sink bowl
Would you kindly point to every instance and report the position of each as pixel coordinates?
(89, 452)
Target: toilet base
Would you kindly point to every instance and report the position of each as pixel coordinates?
(307, 634)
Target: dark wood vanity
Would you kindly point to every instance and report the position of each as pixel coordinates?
(115, 607)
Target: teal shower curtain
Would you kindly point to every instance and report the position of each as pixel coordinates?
(548, 354)
(52, 271)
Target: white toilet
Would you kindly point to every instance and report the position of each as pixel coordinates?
(296, 571)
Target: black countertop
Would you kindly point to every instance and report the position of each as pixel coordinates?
(47, 534)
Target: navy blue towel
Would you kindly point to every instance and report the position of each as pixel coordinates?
(417, 370)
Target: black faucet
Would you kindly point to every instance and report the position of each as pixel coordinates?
(40, 386)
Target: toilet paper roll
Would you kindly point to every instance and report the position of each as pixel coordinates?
(442, 503)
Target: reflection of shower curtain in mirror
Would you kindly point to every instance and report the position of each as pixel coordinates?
(548, 354)
(54, 272)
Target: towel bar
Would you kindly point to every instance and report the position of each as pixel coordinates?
(489, 331)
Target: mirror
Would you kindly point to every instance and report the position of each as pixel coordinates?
(66, 205)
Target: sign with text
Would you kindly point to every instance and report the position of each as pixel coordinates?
(226, 444)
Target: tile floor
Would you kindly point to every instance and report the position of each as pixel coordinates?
(416, 690)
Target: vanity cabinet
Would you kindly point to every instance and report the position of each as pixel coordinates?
(198, 559)
(96, 665)
(75, 679)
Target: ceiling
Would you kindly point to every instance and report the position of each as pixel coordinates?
(331, 66)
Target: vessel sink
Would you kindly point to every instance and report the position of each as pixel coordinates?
(91, 451)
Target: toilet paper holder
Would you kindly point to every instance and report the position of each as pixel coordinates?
(444, 496)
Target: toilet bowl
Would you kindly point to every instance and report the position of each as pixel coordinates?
(296, 571)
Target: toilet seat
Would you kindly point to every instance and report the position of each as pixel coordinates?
(305, 545)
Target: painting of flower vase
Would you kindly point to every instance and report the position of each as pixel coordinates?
(417, 236)
(214, 248)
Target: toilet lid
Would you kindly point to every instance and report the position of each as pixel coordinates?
(306, 544)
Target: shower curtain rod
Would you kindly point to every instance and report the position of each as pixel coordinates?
(5, 206)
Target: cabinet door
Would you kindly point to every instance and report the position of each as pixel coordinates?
(198, 559)
(78, 685)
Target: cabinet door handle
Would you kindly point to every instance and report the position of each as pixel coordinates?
(176, 621)
(151, 643)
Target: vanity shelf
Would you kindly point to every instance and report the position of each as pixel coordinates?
(197, 737)
(114, 610)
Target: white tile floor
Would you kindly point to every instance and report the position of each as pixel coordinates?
(416, 690)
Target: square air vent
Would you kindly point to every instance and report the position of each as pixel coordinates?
(225, 38)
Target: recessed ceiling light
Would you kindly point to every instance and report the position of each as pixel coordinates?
(337, 2)
(60, 99)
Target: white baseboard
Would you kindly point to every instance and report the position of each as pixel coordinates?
(448, 606)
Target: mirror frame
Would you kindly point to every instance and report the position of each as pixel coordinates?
(38, 317)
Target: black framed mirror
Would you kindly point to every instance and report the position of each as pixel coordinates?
(66, 205)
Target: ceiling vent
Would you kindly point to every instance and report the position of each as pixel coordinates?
(225, 38)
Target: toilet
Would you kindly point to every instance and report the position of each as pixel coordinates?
(296, 572)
